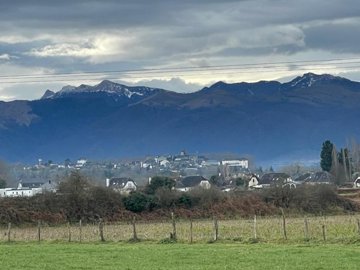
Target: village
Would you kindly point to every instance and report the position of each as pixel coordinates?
(189, 171)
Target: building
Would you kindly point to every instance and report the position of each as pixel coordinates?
(21, 191)
(124, 185)
(243, 162)
(190, 182)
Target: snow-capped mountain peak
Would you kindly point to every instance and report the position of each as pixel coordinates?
(310, 79)
(105, 87)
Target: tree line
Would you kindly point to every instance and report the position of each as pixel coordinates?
(79, 199)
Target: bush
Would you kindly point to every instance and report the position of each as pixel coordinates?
(137, 202)
(311, 199)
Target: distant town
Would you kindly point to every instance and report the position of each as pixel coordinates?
(188, 170)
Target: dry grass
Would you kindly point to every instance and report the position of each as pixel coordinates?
(268, 229)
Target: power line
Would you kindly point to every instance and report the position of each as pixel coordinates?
(183, 71)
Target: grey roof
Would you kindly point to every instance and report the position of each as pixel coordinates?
(190, 181)
(270, 178)
(32, 184)
(303, 177)
(320, 177)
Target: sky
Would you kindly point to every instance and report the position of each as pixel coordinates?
(176, 45)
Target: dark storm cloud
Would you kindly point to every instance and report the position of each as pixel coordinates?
(343, 37)
(181, 21)
(96, 14)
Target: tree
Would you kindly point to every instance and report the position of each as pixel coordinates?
(4, 175)
(344, 160)
(3, 183)
(159, 182)
(240, 182)
(74, 192)
(326, 155)
(216, 180)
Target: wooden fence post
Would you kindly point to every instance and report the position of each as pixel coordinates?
(133, 222)
(216, 229)
(284, 223)
(173, 234)
(80, 230)
(191, 231)
(39, 231)
(255, 229)
(9, 232)
(323, 227)
(101, 230)
(306, 228)
(324, 232)
(69, 231)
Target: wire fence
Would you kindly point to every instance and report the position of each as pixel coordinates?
(264, 229)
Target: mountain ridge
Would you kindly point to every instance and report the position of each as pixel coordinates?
(267, 120)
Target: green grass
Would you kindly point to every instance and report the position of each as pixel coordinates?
(58, 255)
(339, 229)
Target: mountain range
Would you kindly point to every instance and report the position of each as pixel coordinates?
(268, 120)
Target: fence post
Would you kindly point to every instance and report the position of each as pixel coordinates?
(306, 228)
(39, 231)
(69, 231)
(358, 224)
(133, 222)
(80, 230)
(324, 232)
(324, 228)
(101, 230)
(191, 231)
(255, 229)
(9, 232)
(284, 223)
(216, 229)
(173, 234)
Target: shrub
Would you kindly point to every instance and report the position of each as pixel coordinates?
(136, 202)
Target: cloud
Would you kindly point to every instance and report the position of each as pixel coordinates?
(4, 57)
(173, 84)
(74, 36)
(95, 49)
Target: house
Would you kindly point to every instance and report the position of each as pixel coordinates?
(243, 162)
(316, 178)
(190, 182)
(21, 190)
(81, 162)
(235, 168)
(275, 179)
(164, 163)
(249, 181)
(253, 181)
(3, 192)
(124, 185)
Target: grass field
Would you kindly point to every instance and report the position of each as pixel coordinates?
(177, 256)
(337, 229)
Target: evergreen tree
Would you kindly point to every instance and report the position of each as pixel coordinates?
(159, 182)
(326, 155)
